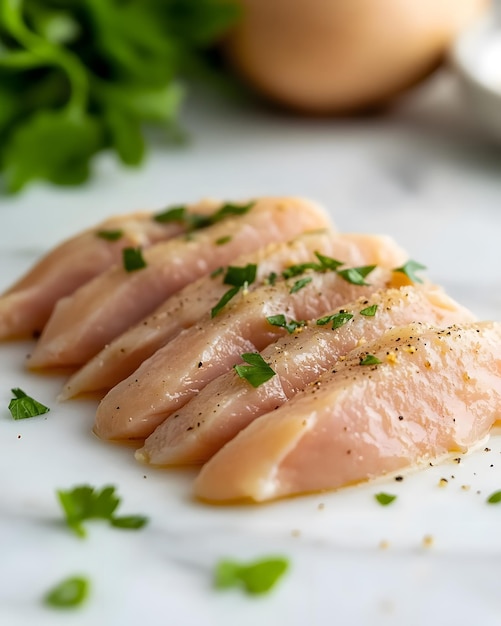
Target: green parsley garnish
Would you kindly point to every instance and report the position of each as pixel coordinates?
(194, 221)
(222, 240)
(238, 277)
(133, 259)
(68, 594)
(80, 77)
(255, 578)
(494, 498)
(84, 502)
(172, 214)
(369, 311)
(338, 319)
(299, 284)
(410, 268)
(385, 498)
(110, 235)
(370, 359)
(217, 272)
(325, 263)
(356, 275)
(23, 406)
(281, 321)
(257, 372)
(272, 278)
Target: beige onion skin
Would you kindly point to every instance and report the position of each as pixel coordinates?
(337, 56)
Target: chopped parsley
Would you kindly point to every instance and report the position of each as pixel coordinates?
(217, 272)
(68, 594)
(369, 311)
(257, 371)
(356, 275)
(222, 240)
(194, 221)
(370, 359)
(324, 264)
(410, 268)
(299, 284)
(110, 235)
(272, 278)
(338, 319)
(238, 277)
(494, 498)
(133, 259)
(281, 321)
(23, 406)
(84, 502)
(171, 214)
(385, 499)
(255, 578)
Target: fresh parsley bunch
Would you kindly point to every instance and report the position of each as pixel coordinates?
(81, 76)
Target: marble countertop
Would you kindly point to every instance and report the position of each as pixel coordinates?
(419, 172)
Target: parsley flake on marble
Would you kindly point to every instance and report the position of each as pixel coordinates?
(23, 406)
(257, 577)
(84, 503)
(69, 593)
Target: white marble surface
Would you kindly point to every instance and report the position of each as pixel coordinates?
(420, 173)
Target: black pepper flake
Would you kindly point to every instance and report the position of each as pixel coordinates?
(118, 408)
(399, 479)
(190, 428)
(400, 417)
(487, 449)
(200, 364)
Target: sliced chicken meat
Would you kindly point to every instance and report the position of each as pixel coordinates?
(229, 403)
(82, 324)
(178, 371)
(412, 396)
(123, 356)
(28, 304)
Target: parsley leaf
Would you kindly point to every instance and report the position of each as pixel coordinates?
(69, 593)
(172, 214)
(133, 259)
(222, 240)
(255, 578)
(281, 321)
(81, 77)
(385, 499)
(271, 278)
(299, 284)
(238, 277)
(327, 262)
(370, 359)
(23, 406)
(110, 235)
(369, 311)
(84, 502)
(257, 372)
(494, 498)
(338, 319)
(356, 275)
(410, 268)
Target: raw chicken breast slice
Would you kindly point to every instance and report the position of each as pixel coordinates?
(229, 403)
(179, 370)
(126, 353)
(28, 304)
(82, 324)
(434, 392)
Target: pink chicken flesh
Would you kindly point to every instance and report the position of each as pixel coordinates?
(433, 392)
(178, 371)
(229, 403)
(28, 304)
(125, 354)
(82, 324)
